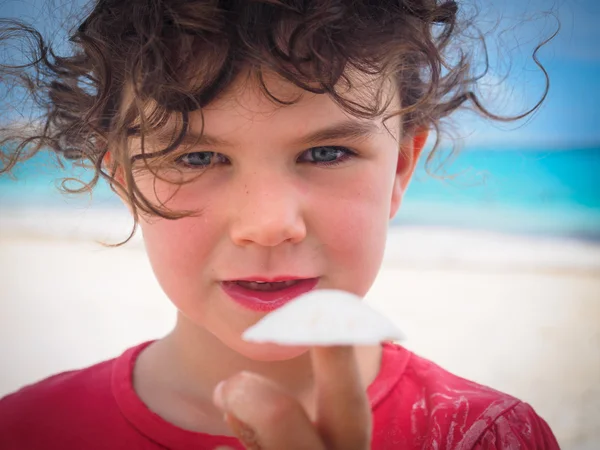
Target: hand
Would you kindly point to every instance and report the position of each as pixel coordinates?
(263, 416)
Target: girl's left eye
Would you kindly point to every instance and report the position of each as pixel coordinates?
(326, 155)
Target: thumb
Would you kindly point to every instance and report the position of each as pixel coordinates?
(265, 416)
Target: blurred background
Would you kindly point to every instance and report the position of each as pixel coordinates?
(492, 266)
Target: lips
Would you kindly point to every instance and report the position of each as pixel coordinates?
(267, 295)
(266, 286)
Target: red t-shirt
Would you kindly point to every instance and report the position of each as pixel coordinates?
(416, 405)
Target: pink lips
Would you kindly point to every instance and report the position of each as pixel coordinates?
(266, 301)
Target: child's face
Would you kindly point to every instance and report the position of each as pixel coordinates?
(266, 211)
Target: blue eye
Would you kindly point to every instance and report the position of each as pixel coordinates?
(200, 159)
(326, 155)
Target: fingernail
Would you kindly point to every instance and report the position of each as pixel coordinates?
(218, 397)
(243, 432)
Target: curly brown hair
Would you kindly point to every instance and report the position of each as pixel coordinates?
(136, 64)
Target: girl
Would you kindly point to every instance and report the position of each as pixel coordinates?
(262, 147)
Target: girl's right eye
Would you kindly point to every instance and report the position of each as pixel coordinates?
(201, 160)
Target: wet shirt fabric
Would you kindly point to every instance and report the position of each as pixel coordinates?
(416, 405)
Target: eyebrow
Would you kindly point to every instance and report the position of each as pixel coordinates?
(348, 130)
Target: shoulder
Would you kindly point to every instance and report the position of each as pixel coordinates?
(442, 389)
(445, 411)
(50, 406)
(519, 427)
(61, 391)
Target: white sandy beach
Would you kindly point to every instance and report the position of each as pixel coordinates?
(520, 315)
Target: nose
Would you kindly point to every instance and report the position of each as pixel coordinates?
(268, 212)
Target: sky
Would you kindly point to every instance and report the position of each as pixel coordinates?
(570, 116)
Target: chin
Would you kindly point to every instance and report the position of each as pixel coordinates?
(269, 352)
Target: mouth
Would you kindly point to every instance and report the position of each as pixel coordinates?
(267, 295)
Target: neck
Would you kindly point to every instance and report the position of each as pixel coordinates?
(202, 361)
(176, 375)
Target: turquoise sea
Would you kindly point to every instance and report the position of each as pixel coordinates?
(525, 191)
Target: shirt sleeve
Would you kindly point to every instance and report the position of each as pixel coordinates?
(518, 428)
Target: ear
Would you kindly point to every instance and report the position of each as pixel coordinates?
(119, 177)
(108, 162)
(409, 154)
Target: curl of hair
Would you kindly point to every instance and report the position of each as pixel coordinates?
(137, 63)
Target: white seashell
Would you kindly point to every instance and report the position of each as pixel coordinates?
(324, 317)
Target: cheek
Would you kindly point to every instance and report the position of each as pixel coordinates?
(170, 249)
(354, 225)
(175, 242)
(180, 250)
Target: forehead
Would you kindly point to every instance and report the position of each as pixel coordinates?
(245, 109)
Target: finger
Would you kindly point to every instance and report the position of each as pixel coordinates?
(264, 416)
(343, 410)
